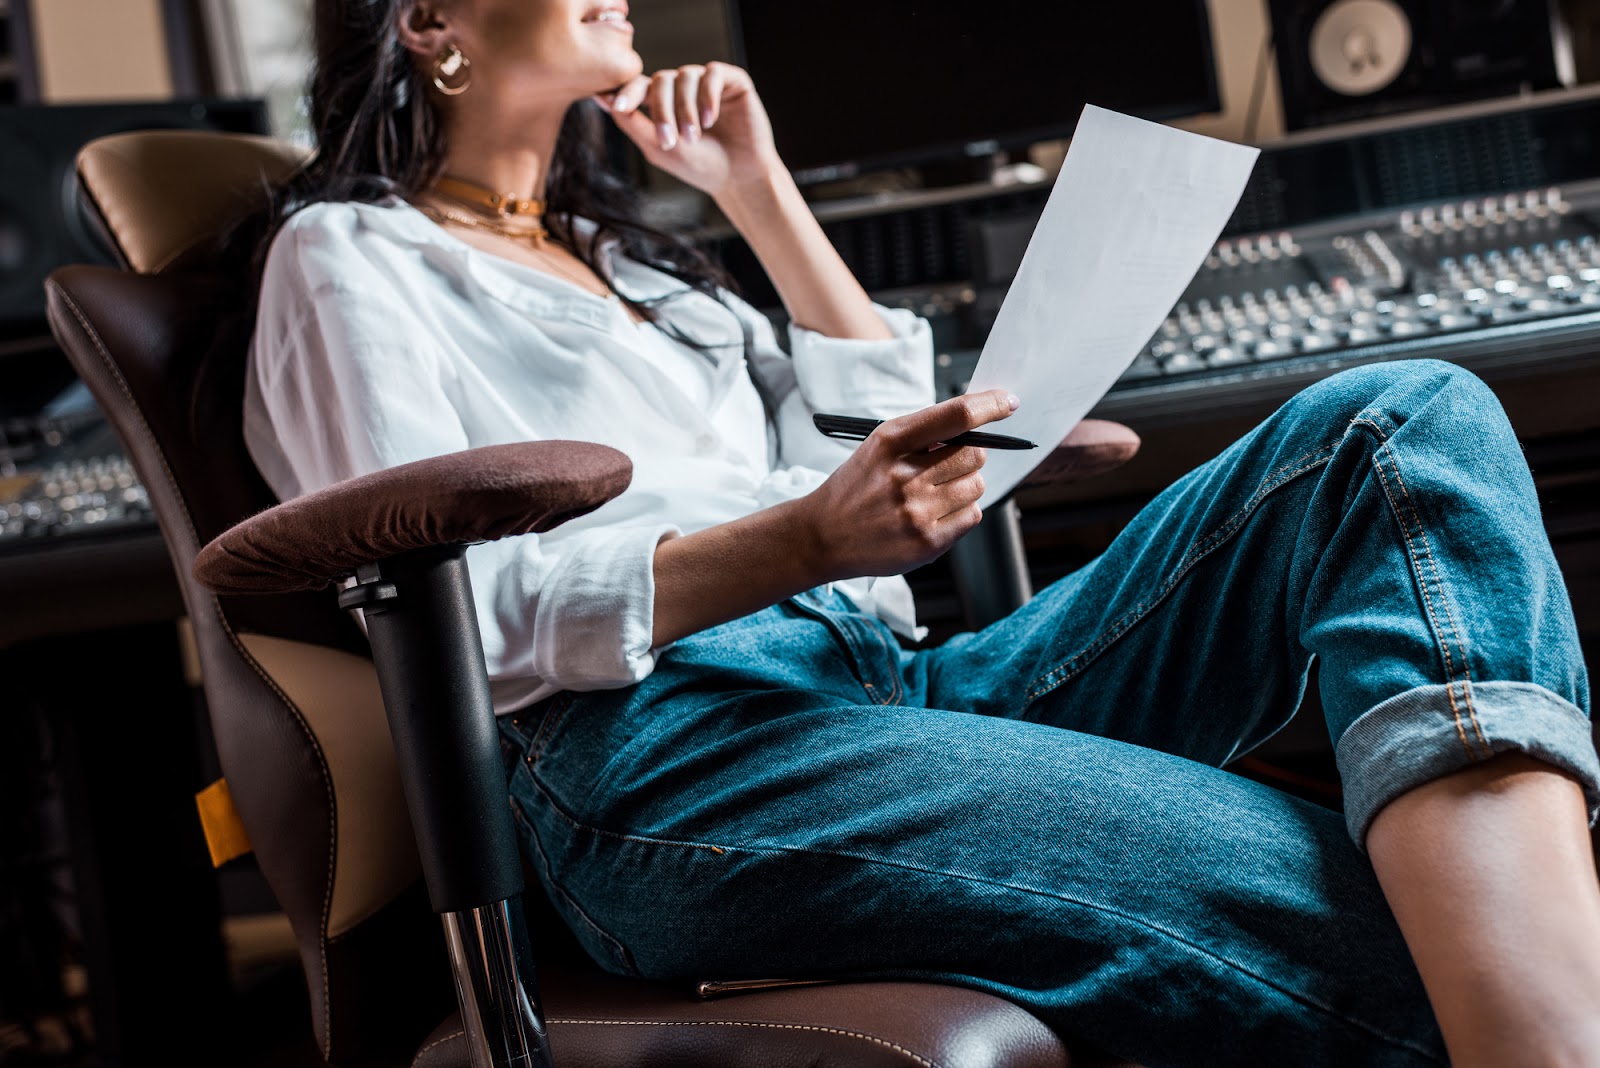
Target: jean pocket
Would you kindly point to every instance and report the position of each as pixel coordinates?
(526, 733)
(870, 648)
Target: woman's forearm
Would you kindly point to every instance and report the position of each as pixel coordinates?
(818, 290)
(733, 569)
(897, 502)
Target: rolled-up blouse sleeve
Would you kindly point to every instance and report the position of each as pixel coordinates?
(878, 379)
(347, 377)
(577, 612)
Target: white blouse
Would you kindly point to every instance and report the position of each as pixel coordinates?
(382, 339)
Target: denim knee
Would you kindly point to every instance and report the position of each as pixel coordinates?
(1400, 389)
(1469, 537)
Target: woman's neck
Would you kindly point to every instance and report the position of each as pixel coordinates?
(502, 154)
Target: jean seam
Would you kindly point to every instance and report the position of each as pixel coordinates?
(1270, 483)
(559, 706)
(896, 690)
(618, 950)
(1018, 888)
(572, 821)
(1443, 634)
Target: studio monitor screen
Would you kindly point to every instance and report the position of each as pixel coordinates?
(42, 224)
(853, 86)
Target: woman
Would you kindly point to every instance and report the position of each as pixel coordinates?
(727, 762)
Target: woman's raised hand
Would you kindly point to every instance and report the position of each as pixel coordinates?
(703, 124)
(902, 499)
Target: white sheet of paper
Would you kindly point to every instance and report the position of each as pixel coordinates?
(1135, 209)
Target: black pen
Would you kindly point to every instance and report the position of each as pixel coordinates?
(857, 429)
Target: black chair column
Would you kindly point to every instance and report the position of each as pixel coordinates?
(429, 657)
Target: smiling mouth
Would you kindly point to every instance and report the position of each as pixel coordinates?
(612, 17)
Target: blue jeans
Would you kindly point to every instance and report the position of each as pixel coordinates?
(1037, 809)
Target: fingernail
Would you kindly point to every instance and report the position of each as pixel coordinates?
(705, 117)
(691, 134)
(1011, 399)
(620, 103)
(669, 136)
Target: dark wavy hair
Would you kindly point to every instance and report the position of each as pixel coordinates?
(379, 132)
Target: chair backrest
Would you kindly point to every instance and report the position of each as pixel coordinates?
(293, 699)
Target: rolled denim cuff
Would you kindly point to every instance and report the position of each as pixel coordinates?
(1425, 733)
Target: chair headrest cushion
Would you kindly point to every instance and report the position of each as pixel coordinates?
(480, 494)
(161, 192)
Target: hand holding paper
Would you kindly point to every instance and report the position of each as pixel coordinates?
(1133, 213)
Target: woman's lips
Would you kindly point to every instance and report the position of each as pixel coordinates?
(612, 18)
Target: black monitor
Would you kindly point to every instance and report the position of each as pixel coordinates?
(861, 85)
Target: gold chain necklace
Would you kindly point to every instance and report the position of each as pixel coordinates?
(537, 237)
(494, 209)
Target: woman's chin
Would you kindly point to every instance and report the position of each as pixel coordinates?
(628, 67)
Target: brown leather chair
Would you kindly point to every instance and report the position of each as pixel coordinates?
(332, 787)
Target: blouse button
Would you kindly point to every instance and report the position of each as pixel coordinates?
(705, 444)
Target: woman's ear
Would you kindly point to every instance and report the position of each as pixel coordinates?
(423, 29)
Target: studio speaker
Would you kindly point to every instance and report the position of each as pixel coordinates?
(42, 223)
(1343, 60)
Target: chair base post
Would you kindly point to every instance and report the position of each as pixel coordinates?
(493, 965)
(990, 566)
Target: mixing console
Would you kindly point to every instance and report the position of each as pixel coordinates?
(1487, 282)
(1454, 267)
(63, 476)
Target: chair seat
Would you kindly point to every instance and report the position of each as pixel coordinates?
(597, 1021)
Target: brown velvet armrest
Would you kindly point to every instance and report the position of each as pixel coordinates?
(1094, 447)
(481, 494)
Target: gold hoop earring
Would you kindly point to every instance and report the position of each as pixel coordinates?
(452, 72)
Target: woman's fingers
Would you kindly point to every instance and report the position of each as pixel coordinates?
(681, 104)
(662, 103)
(959, 494)
(960, 521)
(627, 99)
(944, 465)
(712, 84)
(687, 102)
(938, 423)
(933, 498)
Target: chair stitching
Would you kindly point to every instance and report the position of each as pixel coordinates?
(194, 535)
(574, 1021)
(863, 1035)
(451, 1037)
(1275, 480)
(1422, 580)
